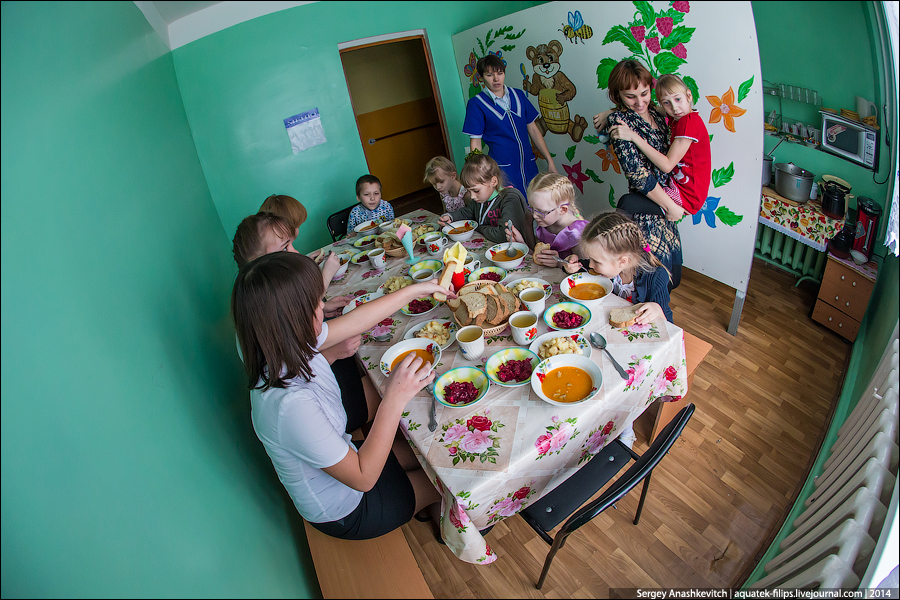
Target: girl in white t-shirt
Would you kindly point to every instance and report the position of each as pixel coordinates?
(299, 414)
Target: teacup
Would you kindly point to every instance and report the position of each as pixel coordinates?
(534, 300)
(377, 258)
(471, 342)
(471, 263)
(524, 327)
(423, 276)
(435, 243)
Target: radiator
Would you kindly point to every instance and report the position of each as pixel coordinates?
(782, 251)
(833, 539)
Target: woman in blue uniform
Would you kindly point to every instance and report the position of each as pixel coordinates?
(503, 118)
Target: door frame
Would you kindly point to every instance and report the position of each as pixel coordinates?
(402, 36)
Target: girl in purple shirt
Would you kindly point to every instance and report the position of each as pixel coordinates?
(556, 218)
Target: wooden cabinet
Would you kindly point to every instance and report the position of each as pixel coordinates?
(844, 295)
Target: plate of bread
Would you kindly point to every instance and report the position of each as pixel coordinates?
(486, 304)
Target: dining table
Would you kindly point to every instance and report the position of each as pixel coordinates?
(491, 459)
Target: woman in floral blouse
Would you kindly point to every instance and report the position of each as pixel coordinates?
(630, 88)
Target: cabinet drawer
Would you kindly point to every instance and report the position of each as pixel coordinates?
(835, 320)
(846, 289)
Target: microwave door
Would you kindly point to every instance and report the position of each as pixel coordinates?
(841, 140)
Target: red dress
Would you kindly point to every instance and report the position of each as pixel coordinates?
(693, 173)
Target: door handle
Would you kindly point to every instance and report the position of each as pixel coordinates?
(371, 141)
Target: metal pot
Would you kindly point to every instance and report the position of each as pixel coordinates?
(767, 170)
(792, 182)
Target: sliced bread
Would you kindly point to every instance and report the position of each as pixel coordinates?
(475, 303)
(461, 314)
(623, 317)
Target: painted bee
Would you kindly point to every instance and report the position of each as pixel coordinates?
(576, 29)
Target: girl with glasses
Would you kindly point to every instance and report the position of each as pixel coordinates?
(557, 224)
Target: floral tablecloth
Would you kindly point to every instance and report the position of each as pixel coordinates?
(491, 460)
(805, 223)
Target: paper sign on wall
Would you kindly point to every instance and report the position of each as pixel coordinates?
(305, 130)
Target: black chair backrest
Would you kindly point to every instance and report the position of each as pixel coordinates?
(636, 473)
(337, 223)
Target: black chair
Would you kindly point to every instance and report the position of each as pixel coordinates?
(337, 223)
(548, 512)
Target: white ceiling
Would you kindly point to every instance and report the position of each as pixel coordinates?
(180, 23)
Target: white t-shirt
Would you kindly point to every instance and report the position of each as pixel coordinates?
(303, 430)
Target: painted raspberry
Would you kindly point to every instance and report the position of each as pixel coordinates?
(638, 32)
(664, 26)
(682, 7)
(680, 51)
(653, 44)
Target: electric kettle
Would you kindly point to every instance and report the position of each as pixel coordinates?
(834, 196)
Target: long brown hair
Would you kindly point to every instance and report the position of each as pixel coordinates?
(627, 75)
(616, 234)
(273, 304)
(248, 239)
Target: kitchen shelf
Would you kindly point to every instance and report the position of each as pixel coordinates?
(793, 92)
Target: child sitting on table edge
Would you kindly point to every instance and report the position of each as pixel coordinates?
(689, 158)
(557, 222)
(371, 206)
(494, 205)
(440, 173)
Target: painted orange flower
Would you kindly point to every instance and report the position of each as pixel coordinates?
(609, 159)
(725, 108)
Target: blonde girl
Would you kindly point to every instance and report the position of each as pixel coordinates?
(441, 174)
(616, 249)
(494, 205)
(557, 221)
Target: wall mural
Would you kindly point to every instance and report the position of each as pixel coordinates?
(565, 65)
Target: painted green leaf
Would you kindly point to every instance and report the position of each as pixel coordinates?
(480, 45)
(679, 35)
(619, 33)
(603, 70)
(710, 138)
(727, 217)
(594, 177)
(692, 85)
(722, 176)
(612, 197)
(570, 153)
(677, 17)
(515, 36)
(488, 36)
(744, 89)
(591, 139)
(647, 13)
(666, 62)
(507, 48)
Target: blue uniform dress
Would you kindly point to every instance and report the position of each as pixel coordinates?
(506, 133)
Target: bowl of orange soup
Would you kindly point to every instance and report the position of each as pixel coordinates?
(507, 255)
(460, 231)
(586, 289)
(567, 379)
(424, 348)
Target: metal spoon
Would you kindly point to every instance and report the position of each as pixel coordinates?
(599, 342)
(432, 423)
(565, 262)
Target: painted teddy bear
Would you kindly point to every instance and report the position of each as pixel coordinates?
(554, 91)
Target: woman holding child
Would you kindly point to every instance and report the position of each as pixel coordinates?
(630, 91)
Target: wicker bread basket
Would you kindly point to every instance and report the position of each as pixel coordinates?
(474, 287)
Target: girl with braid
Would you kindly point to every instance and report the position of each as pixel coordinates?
(616, 249)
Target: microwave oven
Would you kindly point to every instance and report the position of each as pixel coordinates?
(849, 139)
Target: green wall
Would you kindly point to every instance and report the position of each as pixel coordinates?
(239, 84)
(129, 468)
(795, 49)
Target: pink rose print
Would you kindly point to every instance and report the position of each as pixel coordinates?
(380, 330)
(560, 437)
(638, 32)
(557, 436)
(680, 51)
(636, 374)
(671, 374)
(453, 450)
(640, 327)
(543, 443)
(458, 516)
(653, 44)
(664, 25)
(479, 423)
(607, 428)
(659, 385)
(476, 442)
(455, 432)
(595, 442)
(358, 293)
(372, 273)
(511, 507)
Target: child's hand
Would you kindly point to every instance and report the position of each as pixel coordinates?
(573, 265)
(674, 213)
(513, 235)
(649, 312)
(546, 257)
(445, 219)
(600, 120)
(316, 255)
(622, 132)
(335, 306)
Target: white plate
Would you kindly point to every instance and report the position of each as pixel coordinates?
(548, 287)
(581, 340)
(362, 300)
(452, 326)
(434, 305)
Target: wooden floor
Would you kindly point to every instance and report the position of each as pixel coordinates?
(763, 398)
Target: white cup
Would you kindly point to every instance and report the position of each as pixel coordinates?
(377, 258)
(524, 327)
(471, 342)
(435, 243)
(534, 300)
(423, 276)
(472, 263)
